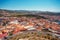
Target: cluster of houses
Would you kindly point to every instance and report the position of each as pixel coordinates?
(17, 24)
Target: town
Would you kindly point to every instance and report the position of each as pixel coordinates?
(14, 25)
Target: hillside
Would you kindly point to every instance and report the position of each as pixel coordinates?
(4, 12)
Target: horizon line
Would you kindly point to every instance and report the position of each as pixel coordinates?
(28, 10)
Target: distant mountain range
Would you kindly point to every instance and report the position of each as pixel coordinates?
(8, 12)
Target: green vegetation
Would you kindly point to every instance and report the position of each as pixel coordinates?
(27, 15)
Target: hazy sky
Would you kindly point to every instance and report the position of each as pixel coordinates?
(41, 5)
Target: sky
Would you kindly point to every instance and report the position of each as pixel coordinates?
(37, 5)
